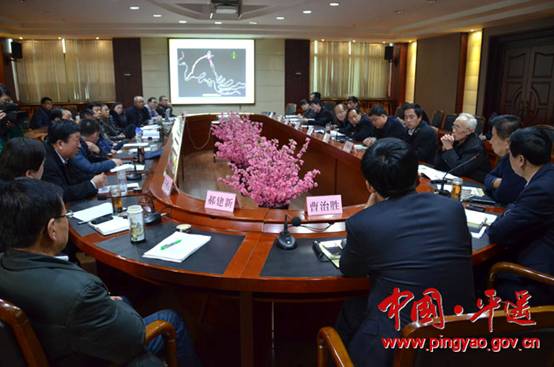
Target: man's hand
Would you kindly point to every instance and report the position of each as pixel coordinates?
(496, 183)
(99, 180)
(93, 147)
(369, 141)
(447, 142)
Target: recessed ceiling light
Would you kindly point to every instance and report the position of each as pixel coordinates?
(353, 41)
(410, 41)
(251, 22)
(59, 38)
(157, 15)
(218, 22)
(20, 38)
(183, 21)
(431, 1)
(97, 38)
(383, 42)
(391, 44)
(472, 30)
(134, 7)
(334, 4)
(306, 11)
(399, 12)
(323, 40)
(280, 18)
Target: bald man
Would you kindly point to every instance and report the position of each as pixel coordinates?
(137, 114)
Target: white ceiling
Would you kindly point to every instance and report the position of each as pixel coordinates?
(370, 20)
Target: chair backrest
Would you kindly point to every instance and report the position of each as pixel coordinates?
(16, 333)
(436, 119)
(290, 109)
(480, 125)
(535, 344)
(449, 122)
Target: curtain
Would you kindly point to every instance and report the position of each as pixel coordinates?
(41, 71)
(340, 69)
(85, 72)
(90, 70)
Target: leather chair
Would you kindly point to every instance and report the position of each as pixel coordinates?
(21, 347)
(522, 271)
(330, 343)
(436, 119)
(449, 123)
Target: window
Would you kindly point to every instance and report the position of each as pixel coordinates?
(66, 71)
(340, 69)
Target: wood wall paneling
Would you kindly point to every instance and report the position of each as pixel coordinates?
(297, 70)
(399, 71)
(461, 73)
(6, 72)
(127, 69)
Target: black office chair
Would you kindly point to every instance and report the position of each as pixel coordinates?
(436, 119)
(449, 122)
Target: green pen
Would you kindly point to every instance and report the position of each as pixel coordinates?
(168, 245)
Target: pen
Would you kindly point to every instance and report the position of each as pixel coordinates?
(168, 245)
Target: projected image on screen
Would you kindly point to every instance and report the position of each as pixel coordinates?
(200, 76)
(219, 71)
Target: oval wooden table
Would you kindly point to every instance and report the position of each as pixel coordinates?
(256, 270)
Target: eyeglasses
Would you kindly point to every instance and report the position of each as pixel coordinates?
(68, 214)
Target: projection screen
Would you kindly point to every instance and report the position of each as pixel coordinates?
(211, 71)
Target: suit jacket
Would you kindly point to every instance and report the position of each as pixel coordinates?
(75, 184)
(402, 242)
(472, 146)
(527, 229)
(424, 142)
(41, 118)
(323, 118)
(88, 163)
(165, 111)
(511, 185)
(76, 321)
(363, 129)
(136, 116)
(392, 129)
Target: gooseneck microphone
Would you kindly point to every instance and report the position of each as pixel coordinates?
(444, 192)
(286, 241)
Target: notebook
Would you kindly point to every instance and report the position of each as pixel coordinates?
(477, 219)
(177, 247)
(127, 167)
(433, 174)
(94, 212)
(117, 224)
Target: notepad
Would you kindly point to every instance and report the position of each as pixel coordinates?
(117, 224)
(360, 147)
(189, 244)
(332, 250)
(94, 212)
(433, 174)
(127, 167)
(135, 145)
(478, 219)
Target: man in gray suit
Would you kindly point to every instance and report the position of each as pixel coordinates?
(77, 321)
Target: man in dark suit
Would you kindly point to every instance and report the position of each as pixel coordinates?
(527, 227)
(41, 117)
(341, 116)
(62, 144)
(385, 126)
(502, 183)
(359, 127)
(421, 137)
(401, 242)
(76, 320)
(137, 114)
(463, 151)
(321, 116)
(165, 109)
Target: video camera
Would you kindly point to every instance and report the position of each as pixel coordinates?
(13, 114)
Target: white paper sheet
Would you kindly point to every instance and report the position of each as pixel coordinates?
(94, 212)
(127, 167)
(117, 224)
(189, 244)
(475, 218)
(433, 174)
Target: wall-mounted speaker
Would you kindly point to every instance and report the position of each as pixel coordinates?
(17, 52)
(389, 52)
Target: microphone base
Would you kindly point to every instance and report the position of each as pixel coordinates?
(443, 193)
(285, 241)
(134, 176)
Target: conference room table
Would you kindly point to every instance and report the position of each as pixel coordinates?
(241, 257)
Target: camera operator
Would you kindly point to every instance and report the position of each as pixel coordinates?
(11, 119)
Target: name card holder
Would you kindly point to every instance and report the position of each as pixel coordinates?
(326, 137)
(310, 130)
(324, 205)
(167, 185)
(220, 200)
(347, 147)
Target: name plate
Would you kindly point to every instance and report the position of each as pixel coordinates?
(324, 205)
(347, 147)
(310, 130)
(167, 185)
(219, 200)
(326, 137)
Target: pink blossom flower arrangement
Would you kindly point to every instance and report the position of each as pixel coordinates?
(236, 136)
(271, 175)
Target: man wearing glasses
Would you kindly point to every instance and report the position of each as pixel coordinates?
(76, 320)
(463, 153)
